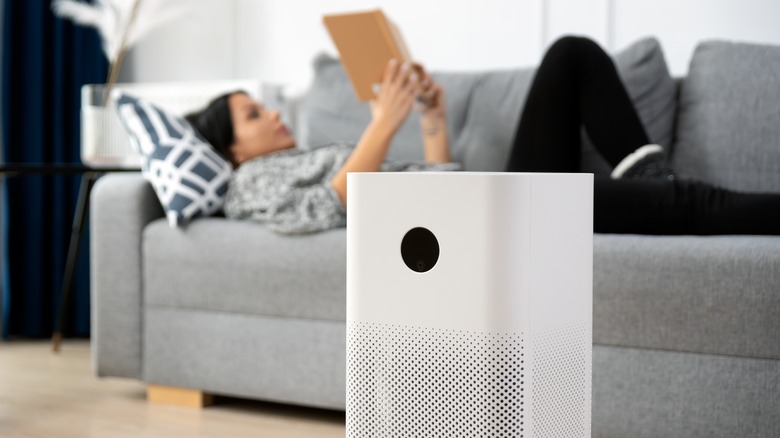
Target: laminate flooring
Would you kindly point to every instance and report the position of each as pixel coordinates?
(43, 394)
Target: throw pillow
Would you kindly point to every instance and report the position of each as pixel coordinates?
(189, 177)
(652, 89)
(489, 127)
(644, 72)
(728, 132)
(331, 112)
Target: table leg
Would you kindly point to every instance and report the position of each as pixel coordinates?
(87, 179)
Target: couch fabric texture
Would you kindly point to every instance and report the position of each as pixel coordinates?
(685, 328)
(728, 124)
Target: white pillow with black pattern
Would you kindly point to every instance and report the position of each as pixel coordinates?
(189, 177)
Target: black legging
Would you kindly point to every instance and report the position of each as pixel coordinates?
(578, 86)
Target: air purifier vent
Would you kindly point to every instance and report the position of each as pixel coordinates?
(561, 375)
(413, 381)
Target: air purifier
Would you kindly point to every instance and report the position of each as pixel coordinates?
(469, 304)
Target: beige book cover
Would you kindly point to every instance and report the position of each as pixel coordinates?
(366, 42)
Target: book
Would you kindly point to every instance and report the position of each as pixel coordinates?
(366, 42)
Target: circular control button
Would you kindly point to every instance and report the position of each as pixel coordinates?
(420, 249)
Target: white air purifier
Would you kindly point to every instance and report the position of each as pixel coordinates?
(469, 304)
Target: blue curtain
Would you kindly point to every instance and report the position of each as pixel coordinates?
(46, 60)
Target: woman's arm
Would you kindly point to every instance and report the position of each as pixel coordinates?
(434, 123)
(389, 110)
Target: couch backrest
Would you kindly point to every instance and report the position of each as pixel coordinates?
(483, 109)
(728, 130)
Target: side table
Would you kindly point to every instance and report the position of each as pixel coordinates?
(88, 176)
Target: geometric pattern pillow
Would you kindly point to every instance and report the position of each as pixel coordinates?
(189, 177)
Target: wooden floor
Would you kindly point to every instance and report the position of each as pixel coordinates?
(43, 394)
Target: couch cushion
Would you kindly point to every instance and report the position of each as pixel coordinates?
(643, 69)
(647, 393)
(287, 360)
(483, 109)
(714, 294)
(480, 138)
(332, 113)
(491, 120)
(720, 291)
(243, 267)
(728, 130)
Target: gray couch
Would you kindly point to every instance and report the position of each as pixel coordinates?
(686, 330)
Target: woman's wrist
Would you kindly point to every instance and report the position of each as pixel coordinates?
(382, 129)
(435, 139)
(432, 125)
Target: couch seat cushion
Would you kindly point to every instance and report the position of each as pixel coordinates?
(221, 265)
(714, 294)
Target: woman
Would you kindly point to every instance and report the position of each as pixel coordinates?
(296, 191)
(576, 85)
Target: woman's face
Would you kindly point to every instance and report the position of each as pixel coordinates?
(256, 130)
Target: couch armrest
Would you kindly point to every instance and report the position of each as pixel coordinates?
(121, 206)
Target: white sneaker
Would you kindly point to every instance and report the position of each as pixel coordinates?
(649, 161)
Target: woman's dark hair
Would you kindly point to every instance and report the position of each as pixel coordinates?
(214, 124)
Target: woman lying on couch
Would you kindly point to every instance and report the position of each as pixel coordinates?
(299, 191)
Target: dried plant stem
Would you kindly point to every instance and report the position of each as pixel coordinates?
(116, 65)
(113, 73)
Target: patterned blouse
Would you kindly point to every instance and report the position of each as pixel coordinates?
(290, 190)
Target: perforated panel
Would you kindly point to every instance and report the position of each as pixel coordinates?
(411, 381)
(562, 383)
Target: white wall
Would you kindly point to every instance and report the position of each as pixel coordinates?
(582, 17)
(276, 40)
(198, 46)
(680, 25)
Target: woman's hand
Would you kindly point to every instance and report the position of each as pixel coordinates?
(431, 99)
(396, 96)
(389, 109)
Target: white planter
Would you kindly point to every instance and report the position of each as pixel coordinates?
(104, 141)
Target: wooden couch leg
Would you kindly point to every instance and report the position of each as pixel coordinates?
(191, 398)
